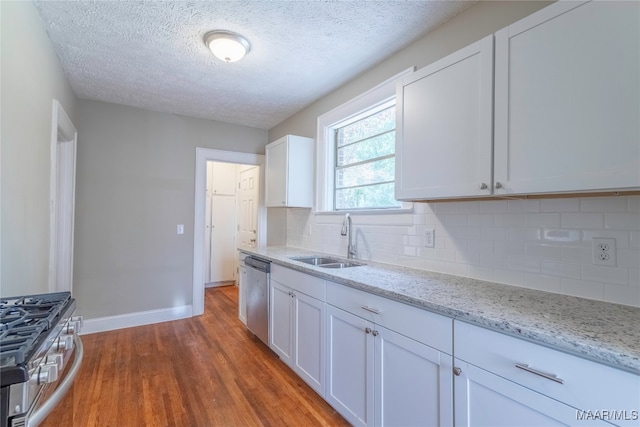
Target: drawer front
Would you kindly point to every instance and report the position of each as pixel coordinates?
(424, 326)
(305, 283)
(586, 385)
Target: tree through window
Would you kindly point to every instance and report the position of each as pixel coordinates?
(365, 161)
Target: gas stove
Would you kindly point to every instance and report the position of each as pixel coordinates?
(38, 336)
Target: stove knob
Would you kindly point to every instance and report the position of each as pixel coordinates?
(65, 342)
(55, 359)
(44, 374)
(74, 325)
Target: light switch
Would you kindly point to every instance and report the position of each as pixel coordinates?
(180, 229)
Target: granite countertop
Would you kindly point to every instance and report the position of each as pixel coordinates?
(604, 332)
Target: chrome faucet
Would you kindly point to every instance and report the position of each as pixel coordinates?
(346, 231)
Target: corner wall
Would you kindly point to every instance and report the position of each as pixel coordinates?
(135, 183)
(31, 77)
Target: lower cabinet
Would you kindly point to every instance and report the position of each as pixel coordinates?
(485, 399)
(501, 380)
(377, 376)
(296, 324)
(380, 362)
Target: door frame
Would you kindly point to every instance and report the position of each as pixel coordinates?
(62, 189)
(203, 155)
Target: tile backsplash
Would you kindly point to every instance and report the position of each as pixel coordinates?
(543, 244)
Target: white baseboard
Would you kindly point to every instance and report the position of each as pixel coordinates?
(121, 321)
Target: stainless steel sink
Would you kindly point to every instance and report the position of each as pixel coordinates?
(326, 262)
(313, 260)
(340, 265)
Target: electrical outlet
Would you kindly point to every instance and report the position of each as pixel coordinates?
(430, 238)
(604, 251)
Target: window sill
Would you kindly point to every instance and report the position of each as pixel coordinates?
(367, 212)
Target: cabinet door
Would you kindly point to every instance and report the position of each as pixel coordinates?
(223, 178)
(566, 103)
(444, 127)
(413, 382)
(276, 174)
(308, 340)
(242, 294)
(280, 325)
(485, 399)
(349, 384)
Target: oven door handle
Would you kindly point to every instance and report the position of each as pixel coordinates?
(41, 412)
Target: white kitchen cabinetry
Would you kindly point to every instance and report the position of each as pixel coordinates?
(566, 109)
(289, 172)
(296, 323)
(388, 363)
(567, 103)
(444, 126)
(221, 178)
(505, 381)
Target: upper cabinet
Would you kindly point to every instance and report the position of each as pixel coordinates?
(289, 172)
(444, 126)
(565, 120)
(221, 179)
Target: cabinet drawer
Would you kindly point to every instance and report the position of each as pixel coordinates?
(424, 326)
(586, 385)
(305, 283)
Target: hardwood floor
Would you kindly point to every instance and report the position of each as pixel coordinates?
(198, 372)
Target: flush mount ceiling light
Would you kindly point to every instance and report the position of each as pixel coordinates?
(228, 46)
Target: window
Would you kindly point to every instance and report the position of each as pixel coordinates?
(356, 153)
(365, 161)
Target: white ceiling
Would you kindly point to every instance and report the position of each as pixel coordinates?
(151, 54)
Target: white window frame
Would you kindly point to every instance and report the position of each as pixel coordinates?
(351, 111)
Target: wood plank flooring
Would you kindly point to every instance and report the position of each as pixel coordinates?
(199, 372)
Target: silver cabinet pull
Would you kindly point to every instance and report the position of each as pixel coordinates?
(552, 377)
(457, 371)
(498, 185)
(374, 333)
(483, 186)
(370, 309)
(367, 330)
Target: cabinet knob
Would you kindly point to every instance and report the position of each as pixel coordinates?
(457, 371)
(367, 330)
(498, 185)
(374, 333)
(483, 186)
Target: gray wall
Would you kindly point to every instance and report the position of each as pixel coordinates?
(482, 19)
(135, 183)
(31, 77)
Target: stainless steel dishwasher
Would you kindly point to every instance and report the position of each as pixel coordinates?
(258, 271)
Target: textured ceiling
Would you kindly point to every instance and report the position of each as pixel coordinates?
(151, 54)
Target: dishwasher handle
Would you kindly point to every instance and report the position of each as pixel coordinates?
(258, 264)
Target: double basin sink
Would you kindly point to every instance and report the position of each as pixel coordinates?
(326, 262)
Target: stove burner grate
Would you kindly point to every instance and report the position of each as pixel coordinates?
(16, 342)
(23, 321)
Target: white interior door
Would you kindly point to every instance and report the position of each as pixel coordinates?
(248, 217)
(223, 238)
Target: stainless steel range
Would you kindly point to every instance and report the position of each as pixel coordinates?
(38, 339)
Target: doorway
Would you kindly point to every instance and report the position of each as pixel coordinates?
(231, 217)
(62, 189)
(248, 162)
